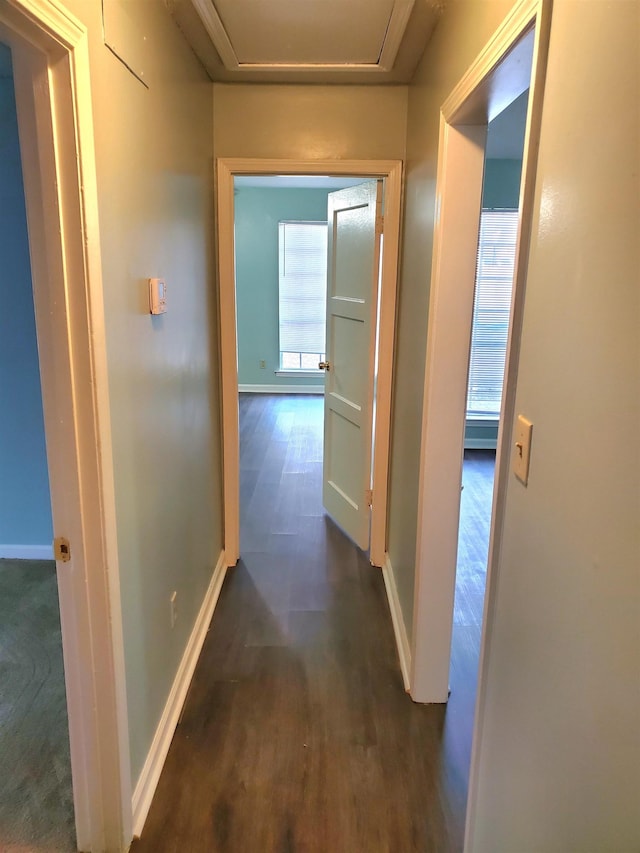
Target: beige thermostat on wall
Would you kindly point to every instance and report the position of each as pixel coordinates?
(157, 295)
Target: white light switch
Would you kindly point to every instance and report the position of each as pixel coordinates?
(522, 449)
(173, 607)
(157, 296)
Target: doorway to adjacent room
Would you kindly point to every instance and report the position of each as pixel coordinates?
(345, 373)
(307, 262)
(512, 63)
(36, 797)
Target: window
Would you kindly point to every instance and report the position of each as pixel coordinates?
(302, 294)
(491, 310)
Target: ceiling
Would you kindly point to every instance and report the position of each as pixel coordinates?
(310, 41)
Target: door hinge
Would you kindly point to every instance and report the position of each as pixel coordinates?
(369, 497)
(61, 549)
(379, 224)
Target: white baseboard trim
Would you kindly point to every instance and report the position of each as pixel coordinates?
(399, 628)
(281, 389)
(26, 552)
(480, 444)
(150, 775)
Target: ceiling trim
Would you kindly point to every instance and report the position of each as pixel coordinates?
(395, 33)
(217, 33)
(214, 26)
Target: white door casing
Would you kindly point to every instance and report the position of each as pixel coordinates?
(53, 97)
(354, 222)
(226, 169)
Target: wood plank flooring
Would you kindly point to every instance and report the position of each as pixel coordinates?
(36, 798)
(297, 734)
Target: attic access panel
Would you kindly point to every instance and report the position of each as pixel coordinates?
(290, 34)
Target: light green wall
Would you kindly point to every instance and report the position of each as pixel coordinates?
(257, 213)
(481, 432)
(462, 32)
(309, 122)
(154, 176)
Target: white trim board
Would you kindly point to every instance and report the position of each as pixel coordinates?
(26, 552)
(399, 627)
(150, 775)
(281, 389)
(301, 374)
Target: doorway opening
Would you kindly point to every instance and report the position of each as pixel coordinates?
(36, 798)
(390, 172)
(512, 62)
(493, 292)
(297, 239)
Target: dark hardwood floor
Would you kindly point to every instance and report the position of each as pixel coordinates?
(36, 797)
(297, 734)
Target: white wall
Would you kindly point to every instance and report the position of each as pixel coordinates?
(154, 172)
(558, 748)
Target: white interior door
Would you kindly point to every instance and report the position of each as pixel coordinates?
(355, 226)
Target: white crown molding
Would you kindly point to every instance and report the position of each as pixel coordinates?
(395, 33)
(208, 14)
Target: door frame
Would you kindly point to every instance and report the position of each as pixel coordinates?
(491, 83)
(227, 169)
(53, 96)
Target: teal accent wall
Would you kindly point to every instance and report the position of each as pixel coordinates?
(25, 504)
(479, 435)
(501, 183)
(501, 190)
(257, 213)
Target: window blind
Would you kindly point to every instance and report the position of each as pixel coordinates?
(302, 286)
(491, 310)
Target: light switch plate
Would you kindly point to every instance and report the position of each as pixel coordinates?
(173, 607)
(157, 296)
(522, 448)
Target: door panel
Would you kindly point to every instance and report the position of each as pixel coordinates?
(352, 293)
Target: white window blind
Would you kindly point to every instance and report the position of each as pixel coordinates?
(302, 292)
(491, 309)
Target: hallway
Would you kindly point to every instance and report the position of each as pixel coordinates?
(297, 734)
